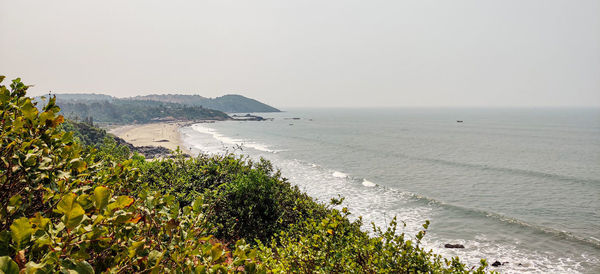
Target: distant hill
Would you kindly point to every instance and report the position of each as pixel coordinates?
(229, 103)
(108, 109)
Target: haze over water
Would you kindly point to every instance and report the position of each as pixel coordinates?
(515, 185)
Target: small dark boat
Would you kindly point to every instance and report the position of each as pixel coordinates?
(459, 121)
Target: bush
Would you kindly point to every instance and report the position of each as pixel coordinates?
(85, 133)
(335, 245)
(246, 199)
(258, 205)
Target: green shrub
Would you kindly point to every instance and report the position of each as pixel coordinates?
(110, 151)
(246, 199)
(336, 245)
(85, 133)
(257, 205)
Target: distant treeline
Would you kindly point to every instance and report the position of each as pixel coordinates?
(143, 109)
(134, 111)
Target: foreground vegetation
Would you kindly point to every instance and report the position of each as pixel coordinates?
(67, 206)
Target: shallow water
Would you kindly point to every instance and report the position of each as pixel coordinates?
(514, 185)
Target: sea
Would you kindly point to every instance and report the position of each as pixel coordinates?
(516, 185)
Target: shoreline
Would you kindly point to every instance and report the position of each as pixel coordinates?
(162, 134)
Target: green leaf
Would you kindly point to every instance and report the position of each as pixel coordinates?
(8, 266)
(32, 267)
(201, 269)
(77, 267)
(135, 246)
(46, 116)
(84, 267)
(155, 257)
(85, 200)
(29, 110)
(73, 212)
(5, 242)
(39, 221)
(42, 241)
(216, 252)
(121, 202)
(21, 231)
(122, 216)
(197, 205)
(14, 203)
(78, 164)
(4, 95)
(101, 197)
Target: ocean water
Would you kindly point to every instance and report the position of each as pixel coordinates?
(514, 185)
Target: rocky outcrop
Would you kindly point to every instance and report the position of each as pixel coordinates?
(153, 152)
(498, 263)
(247, 117)
(454, 246)
(148, 151)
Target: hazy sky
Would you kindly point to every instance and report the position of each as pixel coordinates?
(311, 53)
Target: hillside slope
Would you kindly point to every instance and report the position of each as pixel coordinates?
(231, 103)
(107, 109)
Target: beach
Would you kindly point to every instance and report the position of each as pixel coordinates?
(156, 134)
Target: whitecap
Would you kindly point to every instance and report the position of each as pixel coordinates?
(338, 174)
(368, 183)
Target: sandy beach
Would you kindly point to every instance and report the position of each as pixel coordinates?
(155, 134)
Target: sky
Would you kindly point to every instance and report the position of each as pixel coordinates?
(304, 53)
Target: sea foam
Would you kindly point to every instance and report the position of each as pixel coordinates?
(228, 141)
(338, 174)
(368, 183)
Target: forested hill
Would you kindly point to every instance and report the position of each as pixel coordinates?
(231, 103)
(107, 109)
